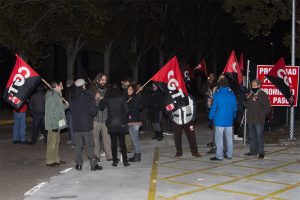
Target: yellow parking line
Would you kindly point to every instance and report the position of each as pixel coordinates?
(153, 177)
(290, 187)
(236, 192)
(264, 181)
(286, 171)
(185, 184)
(248, 167)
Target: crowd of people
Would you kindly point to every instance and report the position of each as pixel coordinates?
(110, 118)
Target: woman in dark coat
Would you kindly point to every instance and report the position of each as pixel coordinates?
(115, 102)
(134, 120)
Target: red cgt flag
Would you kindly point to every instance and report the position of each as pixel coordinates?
(169, 79)
(201, 67)
(23, 80)
(279, 77)
(241, 62)
(232, 68)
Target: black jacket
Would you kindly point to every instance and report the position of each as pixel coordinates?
(83, 109)
(37, 103)
(156, 105)
(115, 102)
(134, 106)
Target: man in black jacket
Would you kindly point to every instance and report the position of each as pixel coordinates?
(37, 110)
(83, 111)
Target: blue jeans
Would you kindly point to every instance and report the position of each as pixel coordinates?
(219, 131)
(19, 130)
(256, 138)
(134, 133)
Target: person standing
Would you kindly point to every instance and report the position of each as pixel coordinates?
(55, 121)
(19, 129)
(115, 103)
(156, 111)
(83, 110)
(258, 107)
(37, 110)
(223, 113)
(134, 121)
(100, 127)
(183, 118)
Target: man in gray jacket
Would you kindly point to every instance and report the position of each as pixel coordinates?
(258, 107)
(55, 121)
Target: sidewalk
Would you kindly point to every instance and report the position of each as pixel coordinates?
(161, 176)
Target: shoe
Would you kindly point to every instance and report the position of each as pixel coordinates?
(62, 162)
(160, 138)
(178, 155)
(25, 142)
(16, 141)
(110, 159)
(69, 142)
(212, 150)
(261, 156)
(96, 167)
(249, 154)
(135, 158)
(154, 138)
(197, 155)
(210, 145)
(97, 159)
(126, 164)
(114, 164)
(216, 159)
(53, 165)
(228, 158)
(78, 167)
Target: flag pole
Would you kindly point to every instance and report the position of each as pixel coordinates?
(139, 90)
(292, 114)
(245, 113)
(49, 86)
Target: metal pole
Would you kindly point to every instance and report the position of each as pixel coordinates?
(245, 113)
(292, 113)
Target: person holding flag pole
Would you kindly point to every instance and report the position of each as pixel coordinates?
(178, 104)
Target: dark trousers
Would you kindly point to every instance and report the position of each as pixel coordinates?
(89, 141)
(70, 125)
(256, 138)
(38, 124)
(114, 146)
(190, 134)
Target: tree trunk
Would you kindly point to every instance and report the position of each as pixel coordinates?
(107, 54)
(135, 71)
(70, 64)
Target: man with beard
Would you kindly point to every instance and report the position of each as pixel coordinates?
(100, 84)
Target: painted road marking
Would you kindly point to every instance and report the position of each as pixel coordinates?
(35, 189)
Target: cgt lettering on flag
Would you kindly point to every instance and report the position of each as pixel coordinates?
(22, 81)
(173, 85)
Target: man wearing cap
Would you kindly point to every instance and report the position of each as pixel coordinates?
(83, 111)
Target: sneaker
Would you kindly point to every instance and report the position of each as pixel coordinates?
(178, 155)
(261, 156)
(78, 167)
(216, 159)
(96, 167)
(197, 155)
(249, 154)
(228, 158)
(237, 138)
(102, 154)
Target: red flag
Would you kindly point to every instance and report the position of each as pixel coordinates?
(241, 62)
(169, 79)
(201, 67)
(232, 68)
(279, 77)
(21, 83)
(187, 73)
